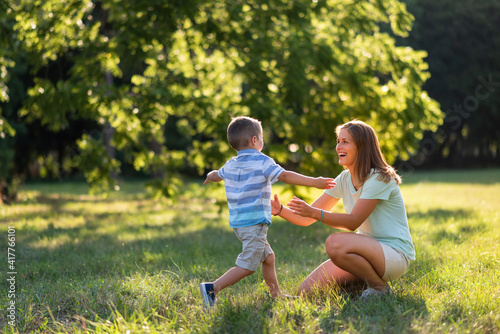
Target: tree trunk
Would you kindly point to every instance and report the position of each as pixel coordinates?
(109, 131)
(156, 147)
(4, 192)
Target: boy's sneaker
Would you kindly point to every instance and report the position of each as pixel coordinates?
(208, 295)
(373, 293)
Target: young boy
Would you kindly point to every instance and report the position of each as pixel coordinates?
(247, 180)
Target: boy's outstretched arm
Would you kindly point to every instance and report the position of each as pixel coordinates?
(212, 176)
(302, 180)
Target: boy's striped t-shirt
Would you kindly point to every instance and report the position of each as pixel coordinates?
(247, 179)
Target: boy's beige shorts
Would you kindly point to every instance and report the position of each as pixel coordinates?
(255, 246)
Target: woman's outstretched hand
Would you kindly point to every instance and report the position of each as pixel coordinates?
(275, 205)
(300, 207)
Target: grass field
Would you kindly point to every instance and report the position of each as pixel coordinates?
(131, 264)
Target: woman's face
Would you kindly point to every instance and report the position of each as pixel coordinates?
(346, 149)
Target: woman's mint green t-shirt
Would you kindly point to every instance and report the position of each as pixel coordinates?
(388, 222)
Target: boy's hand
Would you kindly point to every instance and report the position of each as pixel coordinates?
(275, 205)
(213, 176)
(325, 183)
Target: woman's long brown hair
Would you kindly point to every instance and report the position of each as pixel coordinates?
(369, 153)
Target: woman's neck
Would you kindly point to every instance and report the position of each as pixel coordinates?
(356, 182)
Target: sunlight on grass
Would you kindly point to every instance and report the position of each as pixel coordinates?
(128, 262)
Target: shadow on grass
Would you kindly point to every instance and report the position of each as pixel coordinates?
(83, 251)
(238, 318)
(389, 314)
(486, 176)
(51, 204)
(449, 225)
(457, 234)
(82, 269)
(439, 216)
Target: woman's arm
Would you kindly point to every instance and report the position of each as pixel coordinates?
(347, 221)
(325, 202)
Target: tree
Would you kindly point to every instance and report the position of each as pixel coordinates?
(7, 131)
(462, 44)
(301, 67)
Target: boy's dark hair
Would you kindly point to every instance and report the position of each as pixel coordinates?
(241, 130)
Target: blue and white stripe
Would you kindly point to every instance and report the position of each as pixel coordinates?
(247, 179)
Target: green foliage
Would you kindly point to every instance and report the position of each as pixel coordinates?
(97, 165)
(461, 40)
(129, 262)
(7, 54)
(301, 67)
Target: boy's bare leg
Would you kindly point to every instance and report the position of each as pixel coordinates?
(269, 273)
(232, 276)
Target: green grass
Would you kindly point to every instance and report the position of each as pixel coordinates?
(129, 262)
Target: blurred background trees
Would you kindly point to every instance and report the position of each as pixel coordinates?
(114, 88)
(463, 55)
